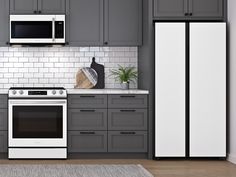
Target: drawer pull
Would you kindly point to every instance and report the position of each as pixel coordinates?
(87, 96)
(127, 110)
(87, 110)
(127, 96)
(127, 133)
(87, 133)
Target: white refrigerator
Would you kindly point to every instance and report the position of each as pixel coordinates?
(190, 89)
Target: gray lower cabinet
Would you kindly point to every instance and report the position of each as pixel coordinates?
(84, 22)
(52, 6)
(3, 119)
(23, 6)
(127, 101)
(87, 119)
(87, 101)
(3, 101)
(127, 119)
(4, 22)
(188, 9)
(123, 22)
(87, 141)
(3, 141)
(127, 141)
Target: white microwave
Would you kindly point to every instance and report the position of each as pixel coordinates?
(33, 29)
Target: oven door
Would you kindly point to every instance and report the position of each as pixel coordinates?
(37, 123)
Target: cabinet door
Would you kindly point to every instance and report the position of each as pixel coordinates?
(127, 141)
(3, 141)
(4, 22)
(23, 6)
(52, 6)
(208, 90)
(170, 90)
(206, 8)
(84, 22)
(87, 141)
(123, 22)
(127, 119)
(3, 119)
(170, 8)
(87, 119)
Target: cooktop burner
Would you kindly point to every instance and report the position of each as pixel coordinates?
(42, 92)
(37, 88)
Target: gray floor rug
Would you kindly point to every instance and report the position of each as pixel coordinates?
(73, 171)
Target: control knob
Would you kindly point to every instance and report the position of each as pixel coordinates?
(61, 92)
(21, 92)
(13, 92)
(54, 92)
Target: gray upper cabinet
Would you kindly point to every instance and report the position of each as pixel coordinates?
(84, 22)
(4, 22)
(52, 6)
(37, 6)
(170, 8)
(206, 8)
(123, 22)
(23, 6)
(188, 9)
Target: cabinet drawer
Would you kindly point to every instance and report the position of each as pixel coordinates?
(3, 119)
(127, 101)
(87, 141)
(3, 101)
(127, 141)
(127, 119)
(87, 101)
(3, 141)
(87, 119)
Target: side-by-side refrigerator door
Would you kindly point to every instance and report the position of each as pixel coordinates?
(207, 89)
(170, 40)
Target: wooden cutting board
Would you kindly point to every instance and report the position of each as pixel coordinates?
(86, 78)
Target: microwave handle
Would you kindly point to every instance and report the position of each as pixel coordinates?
(53, 29)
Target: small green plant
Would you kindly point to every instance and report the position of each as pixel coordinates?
(125, 74)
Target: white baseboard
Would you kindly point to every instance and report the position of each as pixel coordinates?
(232, 158)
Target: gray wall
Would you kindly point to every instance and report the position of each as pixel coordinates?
(232, 80)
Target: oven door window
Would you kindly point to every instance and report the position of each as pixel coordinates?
(31, 29)
(37, 121)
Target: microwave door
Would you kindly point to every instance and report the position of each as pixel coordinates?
(31, 32)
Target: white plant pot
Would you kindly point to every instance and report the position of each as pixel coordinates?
(125, 85)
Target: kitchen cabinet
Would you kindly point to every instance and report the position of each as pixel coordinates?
(127, 119)
(4, 22)
(127, 141)
(3, 119)
(87, 101)
(3, 141)
(87, 119)
(188, 9)
(96, 126)
(37, 6)
(84, 22)
(123, 22)
(104, 22)
(87, 141)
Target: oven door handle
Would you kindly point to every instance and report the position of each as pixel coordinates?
(37, 102)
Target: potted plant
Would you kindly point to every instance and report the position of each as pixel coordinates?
(125, 75)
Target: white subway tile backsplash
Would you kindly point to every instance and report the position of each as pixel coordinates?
(58, 66)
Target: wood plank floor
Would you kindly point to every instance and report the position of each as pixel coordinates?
(163, 168)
